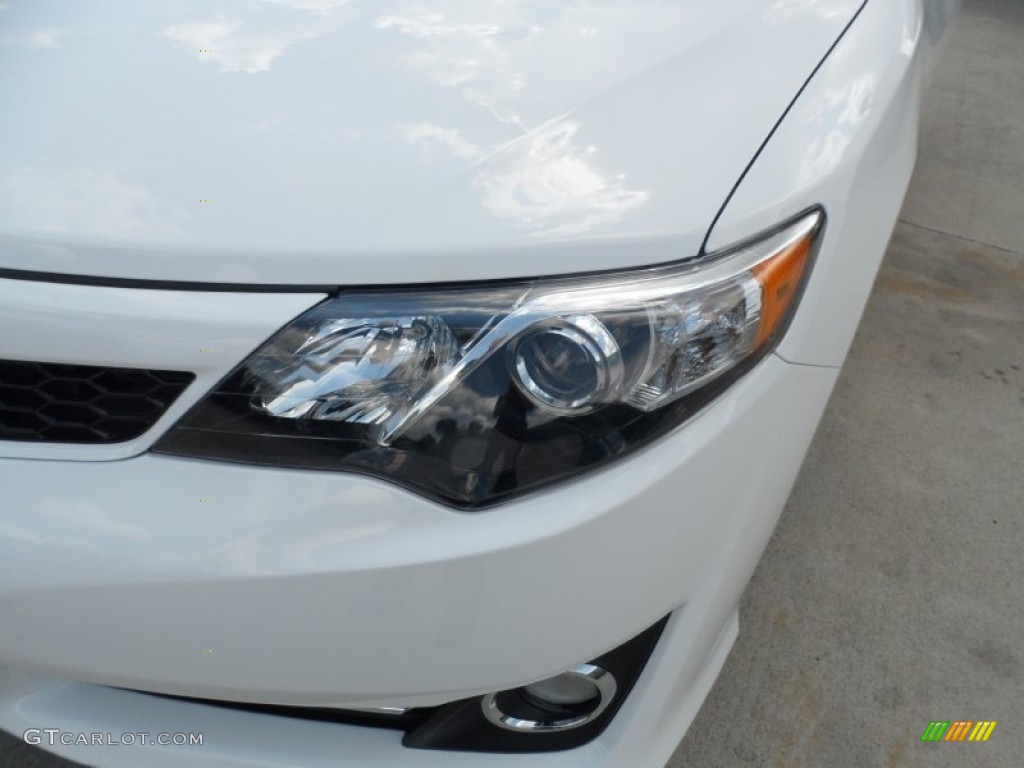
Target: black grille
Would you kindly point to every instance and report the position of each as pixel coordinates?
(58, 403)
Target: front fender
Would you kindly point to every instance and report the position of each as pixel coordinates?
(849, 144)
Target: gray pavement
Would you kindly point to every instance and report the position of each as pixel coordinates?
(891, 593)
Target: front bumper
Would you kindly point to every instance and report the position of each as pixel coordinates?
(222, 581)
(644, 733)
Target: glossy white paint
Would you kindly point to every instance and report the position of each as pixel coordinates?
(849, 144)
(399, 602)
(205, 333)
(381, 142)
(643, 735)
(334, 589)
(320, 588)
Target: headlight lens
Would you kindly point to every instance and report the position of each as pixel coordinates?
(569, 365)
(472, 395)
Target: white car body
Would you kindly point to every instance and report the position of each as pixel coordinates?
(393, 143)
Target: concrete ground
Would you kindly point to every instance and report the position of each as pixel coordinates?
(892, 592)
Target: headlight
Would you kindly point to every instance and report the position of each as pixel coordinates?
(475, 394)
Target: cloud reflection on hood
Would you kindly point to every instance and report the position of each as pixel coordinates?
(550, 182)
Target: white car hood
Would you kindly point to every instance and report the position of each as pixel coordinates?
(296, 142)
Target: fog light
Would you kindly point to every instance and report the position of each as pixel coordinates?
(566, 690)
(561, 712)
(566, 701)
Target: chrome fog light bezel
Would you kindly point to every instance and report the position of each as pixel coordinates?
(464, 725)
(605, 688)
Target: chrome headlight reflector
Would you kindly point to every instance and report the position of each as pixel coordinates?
(475, 394)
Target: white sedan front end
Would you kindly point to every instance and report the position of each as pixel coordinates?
(465, 458)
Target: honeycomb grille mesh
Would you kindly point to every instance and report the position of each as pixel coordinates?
(59, 403)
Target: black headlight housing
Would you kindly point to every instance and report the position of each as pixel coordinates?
(473, 395)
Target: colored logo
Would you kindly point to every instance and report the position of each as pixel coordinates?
(958, 730)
